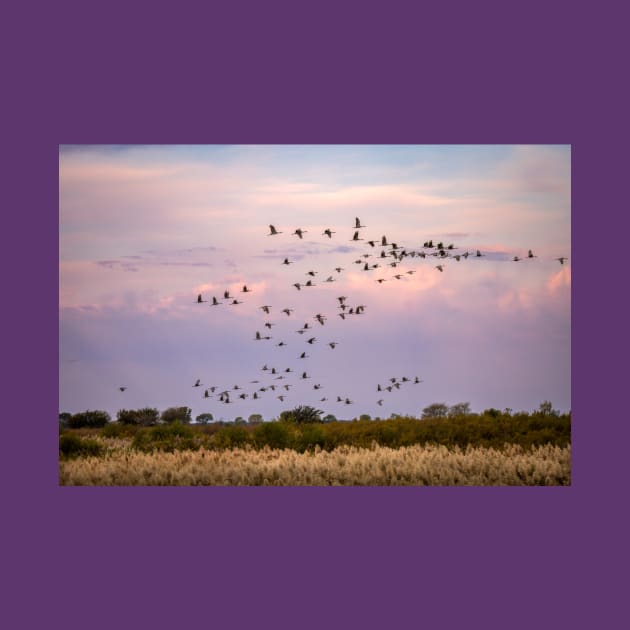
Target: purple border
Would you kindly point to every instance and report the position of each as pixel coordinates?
(311, 558)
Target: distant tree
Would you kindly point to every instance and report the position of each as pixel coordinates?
(492, 412)
(394, 416)
(329, 418)
(459, 409)
(144, 417)
(301, 415)
(546, 409)
(92, 419)
(239, 420)
(64, 418)
(365, 416)
(204, 418)
(176, 414)
(255, 418)
(508, 411)
(435, 410)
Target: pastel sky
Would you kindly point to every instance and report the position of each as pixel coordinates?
(144, 229)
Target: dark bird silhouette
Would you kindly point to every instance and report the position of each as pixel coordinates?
(320, 318)
(281, 344)
(199, 300)
(226, 295)
(381, 280)
(311, 340)
(329, 279)
(297, 285)
(305, 375)
(245, 289)
(288, 311)
(439, 267)
(379, 402)
(303, 356)
(197, 383)
(479, 254)
(332, 344)
(286, 261)
(235, 301)
(372, 243)
(273, 231)
(530, 254)
(356, 237)
(311, 273)
(122, 389)
(266, 309)
(206, 394)
(562, 259)
(328, 232)
(338, 269)
(300, 232)
(215, 302)
(269, 325)
(417, 380)
(317, 386)
(357, 223)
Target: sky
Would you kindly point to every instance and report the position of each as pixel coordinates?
(143, 230)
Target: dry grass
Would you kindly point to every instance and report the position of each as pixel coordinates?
(377, 466)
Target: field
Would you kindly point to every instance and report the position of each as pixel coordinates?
(470, 450)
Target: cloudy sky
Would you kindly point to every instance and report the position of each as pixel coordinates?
(144, 229)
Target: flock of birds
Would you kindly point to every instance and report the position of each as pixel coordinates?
(390, 254)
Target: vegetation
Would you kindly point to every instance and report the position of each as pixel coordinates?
(92, 419)
(348, 465)
(176, 414)
(143, 417)
(301, 415)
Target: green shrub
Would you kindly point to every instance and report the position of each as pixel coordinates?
(272, 434)
(117, 430)
(171, 437)
(74, 446)
(302, 414)
(144, 417)
(176, 414)
(231, 437)
(88, 418)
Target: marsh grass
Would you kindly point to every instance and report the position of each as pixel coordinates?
(416, 465)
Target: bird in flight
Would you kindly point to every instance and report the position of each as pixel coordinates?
(288, 311)
(303, 356)
(273, 231)
(379, 402)
(215, 302)
(299, 232)
(332, 344)
(235, 301)
(199, 300)
(245, 289)
(439, 267)
(122, 389)
(338, 269)
(356, 237)
(562, 259)
(286, 261)
(197, 383)
(529, 254)
(357, 223)
(297, 285)
(266, 309)
(328, 232)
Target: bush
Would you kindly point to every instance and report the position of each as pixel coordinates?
(171, 437)
(176, 414)
(301, 415)
(117, 430)
(74, 446)
(92, 419)
(272, 434)
(231, 437)
(143, 417)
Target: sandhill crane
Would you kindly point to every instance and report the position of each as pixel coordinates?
(206, 394)
(372, 243)
(288, 311)
(379, 402)
(281, 397)
(516, 259)
(417, 380)
(281, 344)
(342, 299)
(215, 302)
(303, 356)
(311, 273)
(300, 232)
(309, 283)
(339, 399)
(122, 389)
(245, 289)
(347, 401)
(357, 223)
(333, 344)
(197, 383)
(317, 386)
(305, 375)
(384, 241)
(297, 285)
(381, 280)
(235, 301)
(338, 269)
(328, 232)
(311, 340)
(379, 388)
(266, 309)
(329, 279)
(273, 231)
(269, 325)
(479, 254)
(265, 367)
(562, 259)
(439, 267)
(199, 300)
(286, 261)
(320, 318)
(342, 315)
(356, 237)
(258, 337)
(530, 254)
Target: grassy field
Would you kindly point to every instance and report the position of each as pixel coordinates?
(470, 450)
